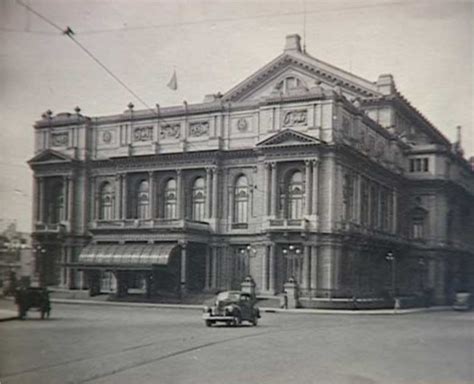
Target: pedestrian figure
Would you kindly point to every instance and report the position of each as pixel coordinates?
(284, 301)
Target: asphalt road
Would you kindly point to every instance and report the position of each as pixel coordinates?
(99, 344)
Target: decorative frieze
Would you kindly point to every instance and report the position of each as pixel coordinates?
(295, 117)
(143, 133)
(197, 129)
(60, 139)
(170, 131)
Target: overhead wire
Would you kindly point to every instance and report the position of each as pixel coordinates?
(70, 33)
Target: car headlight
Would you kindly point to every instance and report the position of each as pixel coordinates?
(206, 309)
(229, 310)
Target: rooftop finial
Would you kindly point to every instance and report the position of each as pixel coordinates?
(293, 43)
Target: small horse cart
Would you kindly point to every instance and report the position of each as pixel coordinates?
(33, 297)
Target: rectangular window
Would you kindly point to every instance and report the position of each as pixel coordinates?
(420, 164)
(425, 164)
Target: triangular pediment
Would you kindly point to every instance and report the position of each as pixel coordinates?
(288, 137)
(297, 73)
(50, 156)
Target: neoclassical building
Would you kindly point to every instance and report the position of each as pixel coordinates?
(302, 171)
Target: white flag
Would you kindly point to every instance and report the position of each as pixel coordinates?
(173, 83)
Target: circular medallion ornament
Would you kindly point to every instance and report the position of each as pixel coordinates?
(107, 137)
(242, 125)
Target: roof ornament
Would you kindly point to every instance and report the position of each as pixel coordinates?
(457, 148)
(130, 106)
(356, 102)
(77, 110)
(47, 115)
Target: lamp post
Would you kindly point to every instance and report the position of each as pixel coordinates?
(391, 259)
(248, 252)
(293, 253)
(39, 252)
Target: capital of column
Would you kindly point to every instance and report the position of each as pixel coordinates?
(183, 244)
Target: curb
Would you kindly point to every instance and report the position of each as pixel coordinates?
(263, 309)
(126, 304)
(8, 318)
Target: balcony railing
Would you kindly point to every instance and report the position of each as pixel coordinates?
(51, 228)
(287, 224)
(127, 224)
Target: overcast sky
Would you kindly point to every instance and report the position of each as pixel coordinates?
(426, 45)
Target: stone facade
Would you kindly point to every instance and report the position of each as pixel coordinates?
(302, 171)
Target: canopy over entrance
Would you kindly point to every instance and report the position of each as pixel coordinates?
(126, 256)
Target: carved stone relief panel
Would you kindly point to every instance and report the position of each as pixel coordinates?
(295, 117)
(106, 137)
(60, 139)
(170, 131)
(242, 125)
(198, 128)
(143, 133)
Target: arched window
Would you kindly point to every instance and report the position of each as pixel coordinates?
(295, 196)
(143, 199)
(198, 199)
(241, 200)
(170, 199)
(106, 198)
(56, 203)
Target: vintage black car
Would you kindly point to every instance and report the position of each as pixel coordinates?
(33, 297)
(231, 307)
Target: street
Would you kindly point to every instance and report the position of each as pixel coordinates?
(105, 344)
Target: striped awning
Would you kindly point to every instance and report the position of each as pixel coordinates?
(134, 255)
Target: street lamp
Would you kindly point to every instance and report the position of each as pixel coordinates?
(391, 259)
(39, 252)
(293, 253)
(248, 252)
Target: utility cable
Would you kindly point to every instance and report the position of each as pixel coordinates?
(70, 33)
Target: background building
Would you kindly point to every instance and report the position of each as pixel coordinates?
(16, 256)
(302, 170)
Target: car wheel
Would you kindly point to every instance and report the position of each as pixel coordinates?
(255, 321)
(208, 323)
(237, 320)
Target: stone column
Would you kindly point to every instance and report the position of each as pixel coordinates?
(124, 196)
(70, 200)
(230, 193)
(306, 267)
(214, 268)
(183, 269)
(94, 193)
(35, 199)
(272, 269)
(151, 192)
(315, 189)
(207, 283)
(308, 188)
(208, 193)
(266, 188)
(41, 200)
(117, 196)
(65, 199)
(274, 190)
(215, 193)
(179, 194)
(314, 269)
(265, 268)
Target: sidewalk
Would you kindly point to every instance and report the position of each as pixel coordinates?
(262, 309)
(7, 314)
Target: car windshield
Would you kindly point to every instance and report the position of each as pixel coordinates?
(228, 296)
